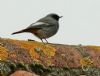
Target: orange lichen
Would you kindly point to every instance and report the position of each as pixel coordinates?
(23, 44)
(13, 55)
(34, 55)
(31, 45)
(3, 53)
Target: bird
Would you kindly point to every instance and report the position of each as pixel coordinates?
(43, 28)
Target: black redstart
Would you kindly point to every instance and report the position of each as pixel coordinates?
(43, 28)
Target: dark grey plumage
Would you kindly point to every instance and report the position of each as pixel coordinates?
(43, 28)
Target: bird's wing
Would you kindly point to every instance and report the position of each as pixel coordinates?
(38, 25)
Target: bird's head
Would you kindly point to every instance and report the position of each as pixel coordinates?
(55, 16)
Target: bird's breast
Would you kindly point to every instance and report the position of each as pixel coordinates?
(46, 32)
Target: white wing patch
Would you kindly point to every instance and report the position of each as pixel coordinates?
(39, 23)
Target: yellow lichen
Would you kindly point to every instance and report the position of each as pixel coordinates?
(86, 61)
(3, 53)
(48, 50)
(48, 62)
(95, 47)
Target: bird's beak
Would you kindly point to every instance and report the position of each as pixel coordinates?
(60, 16)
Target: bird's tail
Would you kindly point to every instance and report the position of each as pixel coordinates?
(18, 32)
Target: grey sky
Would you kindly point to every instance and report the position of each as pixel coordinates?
(80, 24)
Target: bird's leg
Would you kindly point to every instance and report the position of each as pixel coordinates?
(46, 41)
(42, 41)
